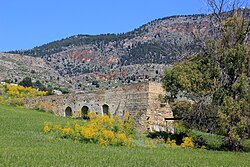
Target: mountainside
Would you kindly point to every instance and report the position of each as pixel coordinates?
(112, 59)
(162, 41)
(15, 67)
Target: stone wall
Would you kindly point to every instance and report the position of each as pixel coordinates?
(157, 111)
(140, 100)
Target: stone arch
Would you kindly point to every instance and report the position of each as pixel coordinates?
(84, 112)
(105, 109)
(68, 111)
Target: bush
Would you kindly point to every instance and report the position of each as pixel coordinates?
(199, 141)
(98, 129)
(171, 143)
(16, 91)
(187, 142)
(210, 141)
(15, 94)
(26, 82)
(16, 101)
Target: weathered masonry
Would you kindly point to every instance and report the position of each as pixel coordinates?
(140, 100)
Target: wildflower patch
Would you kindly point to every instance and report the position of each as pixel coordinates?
(98, 129)
(15, 94)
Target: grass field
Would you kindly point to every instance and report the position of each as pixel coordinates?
(22, 143)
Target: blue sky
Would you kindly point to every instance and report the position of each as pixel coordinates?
(25, 24)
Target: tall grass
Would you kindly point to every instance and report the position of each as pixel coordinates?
(22, 143)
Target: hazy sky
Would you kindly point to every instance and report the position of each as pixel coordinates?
(25, 24)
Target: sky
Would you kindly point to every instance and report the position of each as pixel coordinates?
(25, 24)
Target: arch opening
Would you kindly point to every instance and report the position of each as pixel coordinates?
(105, 109)
(84, 112)
(68, 112)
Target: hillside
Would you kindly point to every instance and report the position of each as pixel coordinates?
(24, 144)
(114, 59)
(161, 41)
(15, 67)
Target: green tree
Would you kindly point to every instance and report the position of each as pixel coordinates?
(39, 86)
(26, 82)
(215, 81)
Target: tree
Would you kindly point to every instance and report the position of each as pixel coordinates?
(231, 55)
(216, 79)
(26, 82)
(39, 86)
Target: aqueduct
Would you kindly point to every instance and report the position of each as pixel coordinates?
(140, 100)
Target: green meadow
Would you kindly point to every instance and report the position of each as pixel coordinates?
(22, 143)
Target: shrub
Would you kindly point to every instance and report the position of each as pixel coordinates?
(171, 143)
(199, 141)
(211, 141)
(16, 101)
(46, 127)
(187, 142)
(98, 129)
(17, 91)
(26, 82)
(15, 94)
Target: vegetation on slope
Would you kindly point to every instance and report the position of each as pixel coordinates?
(73, 41)
(24, 144)
(215, 83)
(150, 43)
(13, 94)
(100, 129)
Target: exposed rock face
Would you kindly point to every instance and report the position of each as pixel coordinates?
(140, 100)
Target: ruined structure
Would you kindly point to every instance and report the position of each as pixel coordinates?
(140, 100)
